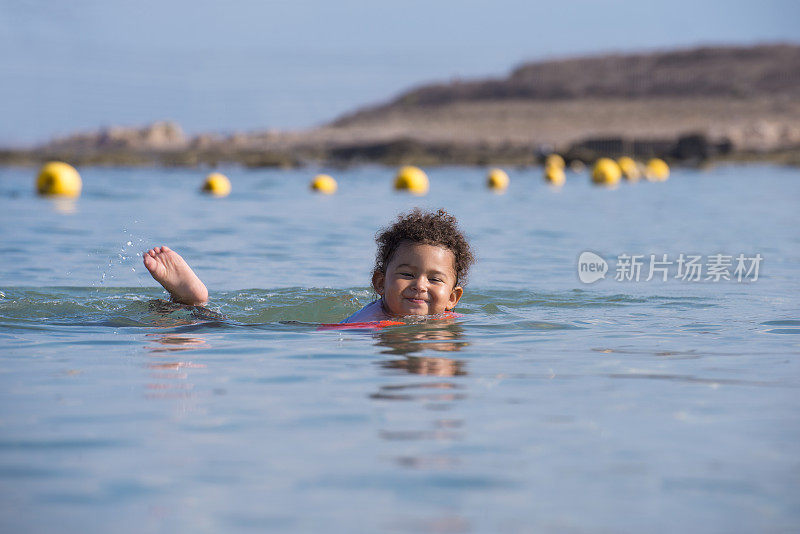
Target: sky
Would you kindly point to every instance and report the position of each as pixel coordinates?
(274, 64)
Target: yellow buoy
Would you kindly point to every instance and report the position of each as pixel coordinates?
(217, 184)
(412, 179)
(554, 175)
(324, 183)
(554, 160)
(59, 178)
(629, 168)
(497, 179)
(657, 170)
(606, 172)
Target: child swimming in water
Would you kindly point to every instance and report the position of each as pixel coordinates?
(420, 268)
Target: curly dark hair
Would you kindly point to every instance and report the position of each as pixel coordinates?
(429, 228)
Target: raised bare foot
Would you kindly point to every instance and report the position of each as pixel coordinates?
(172, 272)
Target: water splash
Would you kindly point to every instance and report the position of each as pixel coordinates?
(127, 257)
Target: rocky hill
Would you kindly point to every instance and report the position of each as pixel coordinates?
(728, 72)
(693, 104)
(733, 100)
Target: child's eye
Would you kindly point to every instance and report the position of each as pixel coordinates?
(436, 279)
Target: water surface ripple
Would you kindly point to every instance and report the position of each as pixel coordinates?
(548, 406)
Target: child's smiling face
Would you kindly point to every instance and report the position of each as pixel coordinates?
(419, 280)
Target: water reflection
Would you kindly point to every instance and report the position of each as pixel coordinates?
(175, 342)
(414, 410)
(66, 206)
(439, 338)
(170, 378)
(420, 365)
(410, 392)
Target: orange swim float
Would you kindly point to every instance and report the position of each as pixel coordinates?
(377, 325)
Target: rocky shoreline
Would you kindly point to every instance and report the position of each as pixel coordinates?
(691, 148)
(687, 106)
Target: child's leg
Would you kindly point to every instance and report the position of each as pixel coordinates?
(172, 272)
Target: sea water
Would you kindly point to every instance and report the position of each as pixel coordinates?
(552, 405)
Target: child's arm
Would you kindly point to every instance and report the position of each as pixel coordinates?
(172, 272)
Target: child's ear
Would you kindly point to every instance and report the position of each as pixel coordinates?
(455, 296)
(378, 281)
